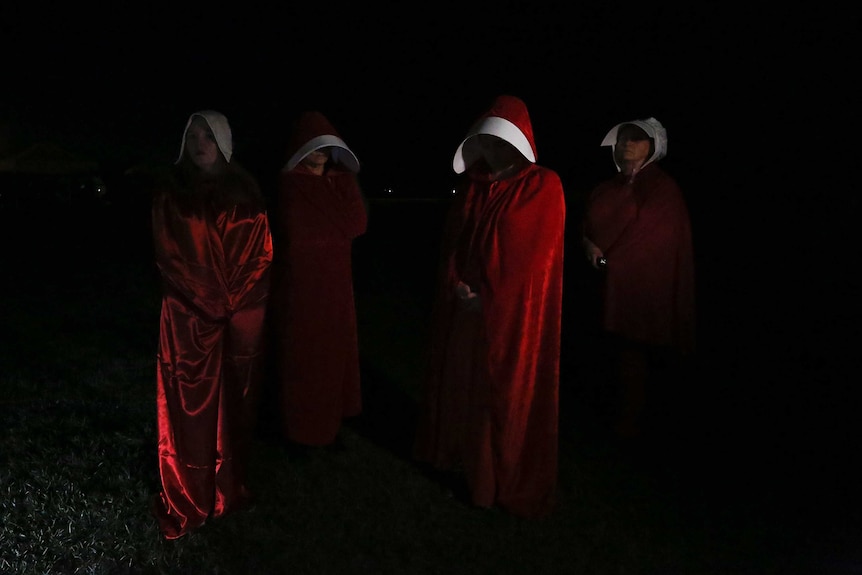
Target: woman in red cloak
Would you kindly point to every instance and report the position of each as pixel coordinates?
(490, 403)
(213, 251)
(636, 229)
(319, 211)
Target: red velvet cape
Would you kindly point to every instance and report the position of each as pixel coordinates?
(313, 309)
(643, 228)
(214, 263)
(490, 402)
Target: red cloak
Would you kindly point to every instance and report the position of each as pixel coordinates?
(214, 263)
(490, 402)
(314, 317)
(643, 228)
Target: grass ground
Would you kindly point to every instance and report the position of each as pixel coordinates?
(78, 453)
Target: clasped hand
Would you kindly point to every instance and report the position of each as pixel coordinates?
(469, 300)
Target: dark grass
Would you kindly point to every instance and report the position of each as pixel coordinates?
(78, 451)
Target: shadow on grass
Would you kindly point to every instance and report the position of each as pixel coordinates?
(389, 420)
(388, 415)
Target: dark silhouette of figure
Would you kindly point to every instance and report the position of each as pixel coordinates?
(637, 234)
(319, 211)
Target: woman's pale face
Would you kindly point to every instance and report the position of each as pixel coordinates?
(201, 145)
(633, 146)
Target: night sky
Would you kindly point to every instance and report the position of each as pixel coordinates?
(403, 82)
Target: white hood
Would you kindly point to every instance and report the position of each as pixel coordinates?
(494, 126)
(221, 131)
(507, 119)
(341, 154)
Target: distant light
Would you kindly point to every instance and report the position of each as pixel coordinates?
(453, 190)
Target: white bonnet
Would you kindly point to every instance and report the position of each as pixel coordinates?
(341, 153)
(220, 128)
(653, 129)
(494, 126)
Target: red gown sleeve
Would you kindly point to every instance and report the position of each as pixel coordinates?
(189, 257)
(247, 246)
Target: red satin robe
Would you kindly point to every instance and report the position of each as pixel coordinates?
(314, 315)
(491, 399)
(643, 228)
(215, 271)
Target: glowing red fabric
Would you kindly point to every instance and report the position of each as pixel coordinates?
(214, 264)
(490, 403)
(314, 317)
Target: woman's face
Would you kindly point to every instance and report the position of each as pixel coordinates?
(316, 160)
(633, 145)
(201, 145)
(499, 153)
